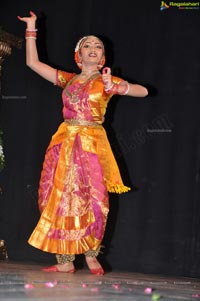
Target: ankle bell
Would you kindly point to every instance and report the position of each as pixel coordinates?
(92, 253)
(64, 258)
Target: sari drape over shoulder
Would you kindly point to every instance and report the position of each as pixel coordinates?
(79, 170)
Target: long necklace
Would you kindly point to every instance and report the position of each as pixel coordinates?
(74, 98)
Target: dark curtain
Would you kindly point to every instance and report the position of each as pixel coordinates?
(156, 140)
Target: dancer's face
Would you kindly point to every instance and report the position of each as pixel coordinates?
(91, 51)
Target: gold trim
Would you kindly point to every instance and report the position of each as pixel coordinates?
(116, 188)
(82, 122)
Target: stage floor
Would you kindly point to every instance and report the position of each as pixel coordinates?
(25, 281)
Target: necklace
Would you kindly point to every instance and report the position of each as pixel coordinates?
(87, 73)
(74, 97)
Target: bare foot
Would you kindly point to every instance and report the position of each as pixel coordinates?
(94, 265)
(66, 268)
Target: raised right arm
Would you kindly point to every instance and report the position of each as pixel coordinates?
(32, 59)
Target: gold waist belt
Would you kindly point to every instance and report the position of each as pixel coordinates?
(81, 122)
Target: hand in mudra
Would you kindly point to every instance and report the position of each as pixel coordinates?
(106, 77)
(29, 20)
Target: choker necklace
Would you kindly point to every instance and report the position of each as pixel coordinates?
(89, 73)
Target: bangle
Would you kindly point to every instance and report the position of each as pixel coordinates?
(108, 89)
(30, 38)
(113, 89)
(31, 34)
(31, 29)
(126, 90)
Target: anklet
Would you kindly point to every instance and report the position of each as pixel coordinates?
(64, 258)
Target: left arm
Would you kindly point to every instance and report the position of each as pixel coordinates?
(123, 88)
(132, 89)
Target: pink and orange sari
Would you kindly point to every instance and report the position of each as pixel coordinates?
(78, 172)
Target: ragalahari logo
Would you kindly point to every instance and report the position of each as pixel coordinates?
(179, 5)
(164, 5)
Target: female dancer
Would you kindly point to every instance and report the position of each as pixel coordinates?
(79, 168)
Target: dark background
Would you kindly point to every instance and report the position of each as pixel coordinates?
(156, 140)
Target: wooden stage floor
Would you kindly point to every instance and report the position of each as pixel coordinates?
(26, 281)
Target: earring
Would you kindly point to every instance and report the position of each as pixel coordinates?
(101, 63)
(77, 60)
